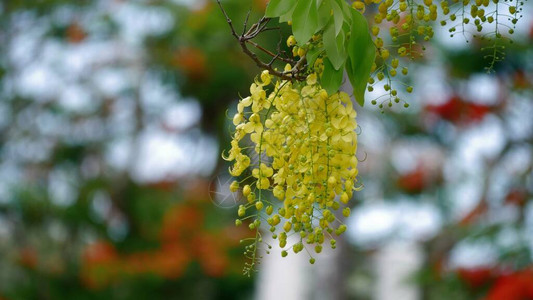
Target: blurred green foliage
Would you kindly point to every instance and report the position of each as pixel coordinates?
(74, 224)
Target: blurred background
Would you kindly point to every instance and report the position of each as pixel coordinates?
(113, 115)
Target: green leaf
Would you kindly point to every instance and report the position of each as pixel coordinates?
(331, 78)
(338, 17)
(324, 13)
(304, 20)
(361, 53)
(277, 8)
(287, 16)
(334, 45)
(346, 10)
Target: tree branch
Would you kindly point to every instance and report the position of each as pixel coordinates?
(297, 71)
(277, 56)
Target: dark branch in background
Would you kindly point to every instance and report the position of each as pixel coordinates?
(297, 71)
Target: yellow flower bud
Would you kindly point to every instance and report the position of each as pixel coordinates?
(394, 63)
(291, 41)
(276, 220)
(359, 5)
(251, 197)
(242, 211)
(287, 226)
(344, 198)
(234, 186)
(402, 51)
(246, 190)
(237, 119)
(265, 77)
(385, 54)
(375, 30)
(301, 52)
(379, 43)
(346, 212)
(340, 230)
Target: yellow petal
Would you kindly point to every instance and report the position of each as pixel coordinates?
(248, 127)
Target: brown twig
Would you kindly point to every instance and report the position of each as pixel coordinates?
(296, 73)
(246, 20)
(276, 56)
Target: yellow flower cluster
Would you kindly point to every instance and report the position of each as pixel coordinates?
(300, 144)
(410, 23)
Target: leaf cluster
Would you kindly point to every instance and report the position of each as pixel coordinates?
(346, 44)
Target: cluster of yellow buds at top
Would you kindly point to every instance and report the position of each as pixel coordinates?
(403, 16)
(410, 23)
(298, 144)
(297, 50)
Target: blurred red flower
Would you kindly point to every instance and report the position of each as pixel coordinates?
(75, 33)
(99, 264)
(193, 62)
(100, 252)
(517, 197)
(516, 286)
(458, 111)
(476, 277)
(413, 182)
(521, 80)
(183, 238)
(28, 258)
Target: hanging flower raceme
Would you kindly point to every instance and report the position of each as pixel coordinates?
(293, 149)
(296, 143)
